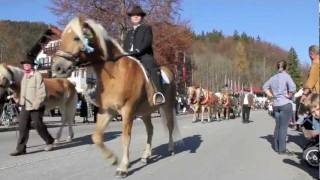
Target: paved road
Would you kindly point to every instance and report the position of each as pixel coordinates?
(219, 150)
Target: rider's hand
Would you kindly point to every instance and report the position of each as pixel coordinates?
(134, 53)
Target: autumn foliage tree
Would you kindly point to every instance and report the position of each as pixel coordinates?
(241, 60)
(220, 59)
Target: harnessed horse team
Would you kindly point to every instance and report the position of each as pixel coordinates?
(203, 100)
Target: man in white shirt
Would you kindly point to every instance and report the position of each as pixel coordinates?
(246, 102)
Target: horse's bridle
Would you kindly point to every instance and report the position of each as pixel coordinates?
(74, 58)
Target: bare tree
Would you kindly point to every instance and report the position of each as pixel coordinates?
(171, 33)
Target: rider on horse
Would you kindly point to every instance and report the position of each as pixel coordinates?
(138, 43)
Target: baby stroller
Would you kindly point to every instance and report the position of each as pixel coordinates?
(311, 150)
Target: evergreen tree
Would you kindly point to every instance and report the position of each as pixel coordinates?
(236, 35)
(293, 67)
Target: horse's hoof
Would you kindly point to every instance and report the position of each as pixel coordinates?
(144, 161)
(56, 141)
(114, 161)
(69, 139)
(121, 174)
(171, 153)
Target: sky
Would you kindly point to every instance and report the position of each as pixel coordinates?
(285, 23)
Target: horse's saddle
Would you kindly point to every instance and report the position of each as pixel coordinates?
(164, 78)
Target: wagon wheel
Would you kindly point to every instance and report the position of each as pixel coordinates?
(311, 156)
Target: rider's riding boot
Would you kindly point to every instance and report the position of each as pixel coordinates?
(158, 98)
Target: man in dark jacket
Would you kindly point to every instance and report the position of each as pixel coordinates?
(138, 43)
(246, 102)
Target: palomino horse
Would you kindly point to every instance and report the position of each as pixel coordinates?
(207, 101)
(60, 93)
(201, 99)
(122, 86)
(193, 102)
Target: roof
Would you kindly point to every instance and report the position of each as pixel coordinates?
(52, 33)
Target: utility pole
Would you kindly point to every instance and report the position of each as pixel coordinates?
(1, 52)
(264, 68)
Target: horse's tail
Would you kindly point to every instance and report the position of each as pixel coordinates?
(168, 113)
(71, 104)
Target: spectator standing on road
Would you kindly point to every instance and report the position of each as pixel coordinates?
(246, 102)
(280, 88)
(84, 109)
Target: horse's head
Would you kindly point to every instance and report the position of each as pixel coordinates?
(191, 92)
(83, 42)
(6, 78)
(200, 94)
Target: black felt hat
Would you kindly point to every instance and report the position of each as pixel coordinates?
(136, 10)
(27, 61)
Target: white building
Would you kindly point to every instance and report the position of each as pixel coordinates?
(44, 59)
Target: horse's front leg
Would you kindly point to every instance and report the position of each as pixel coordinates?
(103, 119)
(203, 109)
(215, 111)
(195, 114)
(209, 113)
(127, 121)
(63, 122)
(202, 112)
(228, 113)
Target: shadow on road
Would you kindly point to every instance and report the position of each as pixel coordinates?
(313, 172)
(297, 139)
(300, 141)
(270, 139)
(84, 140)
(191, 144)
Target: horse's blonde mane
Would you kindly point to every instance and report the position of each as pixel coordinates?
(75, 26)
(99, 31)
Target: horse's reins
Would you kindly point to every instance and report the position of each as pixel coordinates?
(75, 59)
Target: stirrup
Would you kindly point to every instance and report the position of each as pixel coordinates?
(158, 100)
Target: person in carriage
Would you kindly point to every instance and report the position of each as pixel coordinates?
(138, 43)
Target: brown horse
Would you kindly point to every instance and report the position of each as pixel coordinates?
(227, 104)
(122, 86)
(208, 102)
(60, 93)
